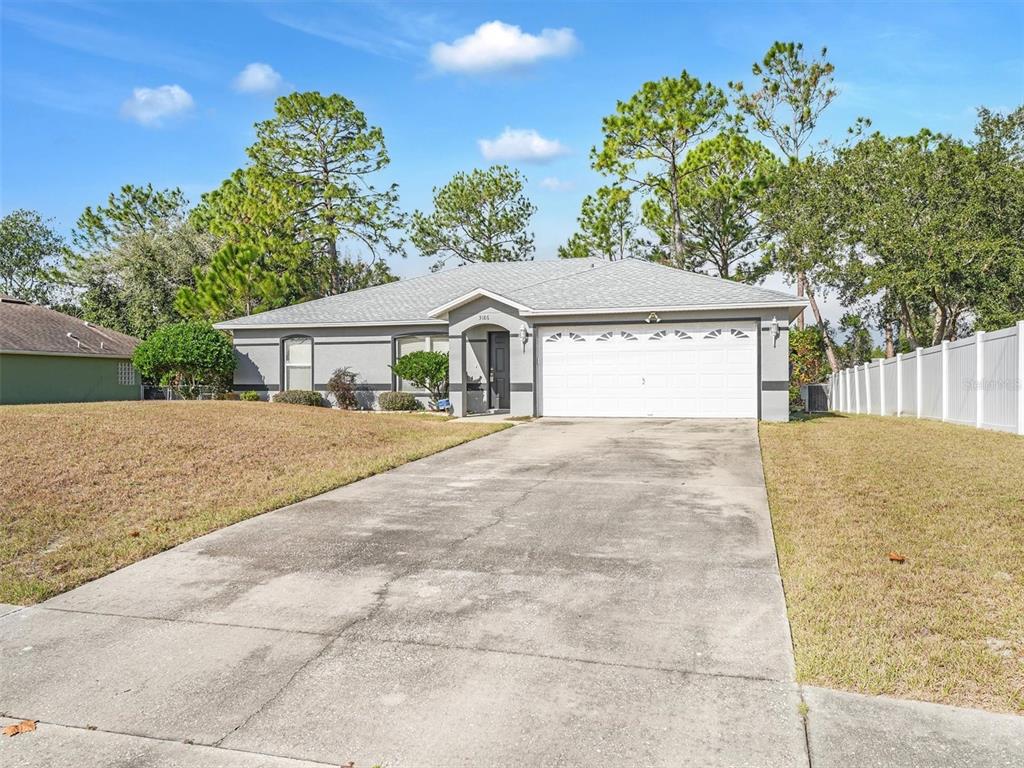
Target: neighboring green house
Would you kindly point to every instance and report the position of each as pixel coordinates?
(49, 357)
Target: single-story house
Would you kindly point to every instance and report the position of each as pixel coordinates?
(49, 357)
(572, 337)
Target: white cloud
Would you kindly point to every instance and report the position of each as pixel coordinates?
(258, 78)
(555, 184)
(497, 45)
(149, 106)
(523, 144)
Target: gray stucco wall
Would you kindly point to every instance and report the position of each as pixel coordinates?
(367, 351)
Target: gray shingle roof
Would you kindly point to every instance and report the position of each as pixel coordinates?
(30, 328)
(565, 284)
(413, 298)
(632, 283)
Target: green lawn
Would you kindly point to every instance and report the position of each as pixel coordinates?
(89, 488)
(946, 625)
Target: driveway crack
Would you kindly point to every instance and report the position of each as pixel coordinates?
(381, 596)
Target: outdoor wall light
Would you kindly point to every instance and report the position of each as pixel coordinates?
(524, 333)
(776, 332)
(653, 318)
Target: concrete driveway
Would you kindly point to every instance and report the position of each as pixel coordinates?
(564, 593)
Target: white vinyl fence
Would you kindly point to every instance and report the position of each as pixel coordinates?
(978, 381)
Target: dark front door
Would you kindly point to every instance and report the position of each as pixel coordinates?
(497, 366)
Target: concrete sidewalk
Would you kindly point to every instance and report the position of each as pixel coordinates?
(585, 592)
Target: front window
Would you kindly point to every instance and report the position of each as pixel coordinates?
(298, 363)
(406, 344)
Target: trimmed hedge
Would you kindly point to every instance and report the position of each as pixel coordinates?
(399, 401)
(250, 395)
(300, 397)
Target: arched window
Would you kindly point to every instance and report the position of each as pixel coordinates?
(298, 362)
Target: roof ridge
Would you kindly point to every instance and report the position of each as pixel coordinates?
(708, 277)
(599, 265)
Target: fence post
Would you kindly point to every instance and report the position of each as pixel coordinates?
(918, 386)
(979, 378)
(1020, 377)
(881, 387)
(867, 386)
(856, 388)
(899, 384)
(945, 380)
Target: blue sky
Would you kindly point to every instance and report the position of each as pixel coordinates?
(74, 128)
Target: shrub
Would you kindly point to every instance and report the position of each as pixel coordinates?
(796, 400)
(808, 363)
(300, 397)
(250, 395)
(426, 370)
(399, 401)
(185, 357)
(342, 385)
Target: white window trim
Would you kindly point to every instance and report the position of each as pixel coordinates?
(285, 365)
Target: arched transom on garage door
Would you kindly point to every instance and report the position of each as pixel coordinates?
(704, 370)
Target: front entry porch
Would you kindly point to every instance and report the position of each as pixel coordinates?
(491, 360)
(485, 370)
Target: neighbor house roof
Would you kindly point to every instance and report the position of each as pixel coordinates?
(533, 287)
(30, 329)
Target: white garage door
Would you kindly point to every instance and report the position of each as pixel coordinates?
(668, 369)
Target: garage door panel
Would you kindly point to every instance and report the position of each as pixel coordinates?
(667, 370)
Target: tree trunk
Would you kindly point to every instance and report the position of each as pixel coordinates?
(939, 326)
(908, 324)
(890, 345)
(677, 221)
(830, 349)
(801, 290)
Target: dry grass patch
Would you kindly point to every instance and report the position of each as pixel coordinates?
(946, 625)
(89, 488)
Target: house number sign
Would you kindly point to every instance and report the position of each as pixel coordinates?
(483, 317)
